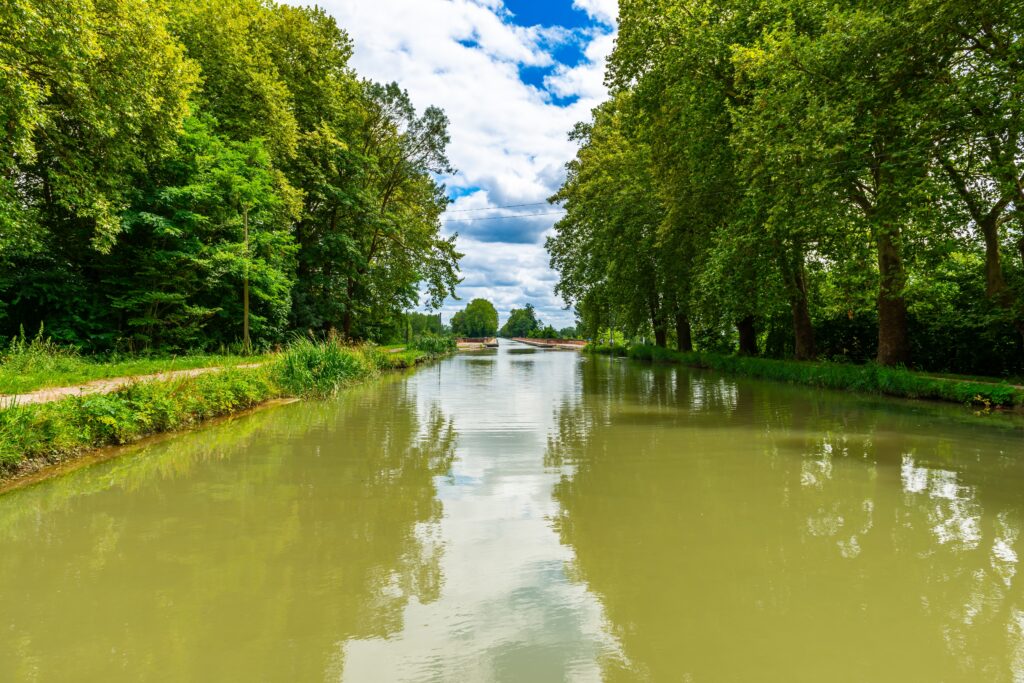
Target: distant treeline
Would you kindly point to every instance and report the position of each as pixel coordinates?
(163, 163)
(807, 179)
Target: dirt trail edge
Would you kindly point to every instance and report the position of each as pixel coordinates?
(105, 386)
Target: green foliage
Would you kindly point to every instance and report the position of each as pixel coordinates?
(806, 178)
(307, 368)
(320, 369)
(478, 319)
(424, 324)
(142, 138)
(546, 332)
(41, 363)
(434, 344)
(51, 431)
(521, 322)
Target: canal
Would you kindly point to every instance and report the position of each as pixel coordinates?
(530, 515)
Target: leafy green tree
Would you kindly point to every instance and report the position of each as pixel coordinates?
(521, 322)
(209, 225)
(183, 173)
(90, 93)
(609, 238)
(478, 319)
(424, 323)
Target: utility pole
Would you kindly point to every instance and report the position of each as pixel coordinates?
(246, 344)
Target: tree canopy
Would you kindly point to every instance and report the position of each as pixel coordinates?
(165, 165)
(478, 319)
(806, 180)
(521, 322)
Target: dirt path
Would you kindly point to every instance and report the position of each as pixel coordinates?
(103, 386)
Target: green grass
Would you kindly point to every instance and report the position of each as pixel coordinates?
(53, 431)
(869, 378)
(60, 429)
(42, 366)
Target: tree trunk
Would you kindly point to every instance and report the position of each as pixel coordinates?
(893, 339)
(684, 334)
(346, 319)
(660, 336)
(803, 330)
(658, 322)
(748, 336)
(995, 284)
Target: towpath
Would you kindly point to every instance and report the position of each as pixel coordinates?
(103, 386)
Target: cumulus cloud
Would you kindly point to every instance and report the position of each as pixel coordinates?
(604, 11)
(509, 133)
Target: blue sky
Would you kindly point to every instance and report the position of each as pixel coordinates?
(513, 77)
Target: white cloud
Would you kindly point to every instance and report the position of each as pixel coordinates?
(509, 138)
(605, 11)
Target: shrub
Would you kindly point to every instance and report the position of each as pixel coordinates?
(319, 369)
(434, 344)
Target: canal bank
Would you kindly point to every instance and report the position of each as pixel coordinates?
(37, 435)
(898, 382)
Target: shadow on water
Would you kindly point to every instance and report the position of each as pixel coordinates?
(737, 530)
(228, 552)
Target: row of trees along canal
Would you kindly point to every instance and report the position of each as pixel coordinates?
(480, 319)
(811, 179)
(165, 165)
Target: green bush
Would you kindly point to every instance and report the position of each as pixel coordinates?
(434, 344)
(308, 368)
(319, 369)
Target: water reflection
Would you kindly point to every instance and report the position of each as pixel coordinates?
(508, 610)
(242, 552)
(736, 530)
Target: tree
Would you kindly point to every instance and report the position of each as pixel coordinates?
(608, 240)
(521, 322)
(478, 319)
(211, 219)
(183, 173)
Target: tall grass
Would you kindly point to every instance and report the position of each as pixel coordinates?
(869, 378)
(319, 369)
(27, 365)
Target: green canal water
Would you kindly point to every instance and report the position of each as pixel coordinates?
(523, 515)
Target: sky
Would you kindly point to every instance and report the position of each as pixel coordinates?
(513, 76)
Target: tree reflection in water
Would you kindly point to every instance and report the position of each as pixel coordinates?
(282, 534)
(736, 530)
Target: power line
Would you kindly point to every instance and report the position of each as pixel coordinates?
(498, 218)
(492, 208)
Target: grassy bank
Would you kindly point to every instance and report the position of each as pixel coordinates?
(860, 378)
(40, 364)
(36, 434)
